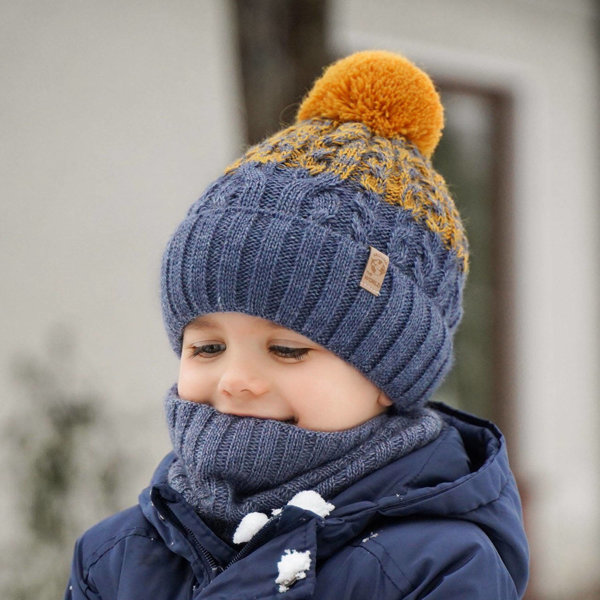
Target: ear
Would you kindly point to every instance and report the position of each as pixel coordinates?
(383, 400)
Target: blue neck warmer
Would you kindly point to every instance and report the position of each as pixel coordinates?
(228, 466)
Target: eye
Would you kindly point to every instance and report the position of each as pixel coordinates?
(208, 350)
(287, 352)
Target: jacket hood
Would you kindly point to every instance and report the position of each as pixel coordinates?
(464, 475)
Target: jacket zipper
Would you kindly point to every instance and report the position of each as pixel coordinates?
(214, 566)
(255, 541)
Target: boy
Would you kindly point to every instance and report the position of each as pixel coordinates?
(312, 294)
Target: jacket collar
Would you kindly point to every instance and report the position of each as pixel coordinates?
(181, 529)
(185, 534)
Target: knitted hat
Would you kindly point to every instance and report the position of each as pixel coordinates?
(339, 228)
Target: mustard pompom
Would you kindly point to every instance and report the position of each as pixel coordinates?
(383, 90)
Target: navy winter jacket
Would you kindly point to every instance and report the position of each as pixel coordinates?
(441, 523)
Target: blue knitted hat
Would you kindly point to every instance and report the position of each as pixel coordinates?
(339, 228)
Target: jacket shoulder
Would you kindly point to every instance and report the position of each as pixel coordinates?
(419, 558)
(100, 552)
(106, 534)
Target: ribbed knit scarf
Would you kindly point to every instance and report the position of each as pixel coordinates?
(228, 466)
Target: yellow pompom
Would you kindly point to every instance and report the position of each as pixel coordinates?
(383, 90)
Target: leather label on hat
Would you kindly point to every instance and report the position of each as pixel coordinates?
(375, 271)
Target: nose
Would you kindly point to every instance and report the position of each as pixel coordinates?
(241, 378)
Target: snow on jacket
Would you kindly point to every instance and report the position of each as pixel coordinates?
(443, 522)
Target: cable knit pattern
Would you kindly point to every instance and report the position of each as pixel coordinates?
(391, 168)
(229, 466)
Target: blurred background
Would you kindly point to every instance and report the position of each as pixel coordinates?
(114, 117)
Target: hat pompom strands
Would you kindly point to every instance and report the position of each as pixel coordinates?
(286, 234)
(383, 90)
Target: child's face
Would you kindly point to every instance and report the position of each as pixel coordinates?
(247, 366)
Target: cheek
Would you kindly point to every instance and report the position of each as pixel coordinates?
(349, 386)
(333, 386)
(191, 384)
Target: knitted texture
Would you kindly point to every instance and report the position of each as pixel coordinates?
(285, 233)
(229, 466)
(389, 168)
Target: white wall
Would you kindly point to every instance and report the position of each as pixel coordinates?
(544, 53)
(114, 117)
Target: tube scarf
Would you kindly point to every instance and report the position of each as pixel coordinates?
(228, 466)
